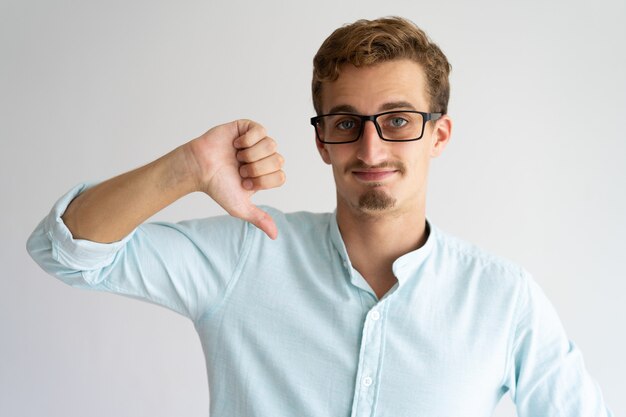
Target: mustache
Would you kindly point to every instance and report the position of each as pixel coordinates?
(360, 165)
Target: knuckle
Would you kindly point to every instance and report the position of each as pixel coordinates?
(266, 180)
(249, 156)
(252, 170)
(258, 183)
(271, 145)
(248, 139)
(255, 132)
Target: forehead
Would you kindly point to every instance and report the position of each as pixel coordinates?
(368, 89)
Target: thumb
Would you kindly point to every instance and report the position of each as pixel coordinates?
(262, 220)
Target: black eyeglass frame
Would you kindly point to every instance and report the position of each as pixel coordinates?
(426, 117)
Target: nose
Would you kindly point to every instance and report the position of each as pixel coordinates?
(372, 149)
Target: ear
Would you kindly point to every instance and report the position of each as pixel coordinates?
(321, 148)
(440, 135)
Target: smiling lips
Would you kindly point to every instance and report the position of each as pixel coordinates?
(373, 175)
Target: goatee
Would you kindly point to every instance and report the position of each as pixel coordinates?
(376, 200)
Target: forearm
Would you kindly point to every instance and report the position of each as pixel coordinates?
(215, 163)
(112, 209)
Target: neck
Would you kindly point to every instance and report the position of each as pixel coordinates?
(375, 240)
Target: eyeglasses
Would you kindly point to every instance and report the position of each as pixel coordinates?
(392, 126)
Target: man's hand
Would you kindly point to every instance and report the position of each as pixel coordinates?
(229, 162)
(233, 161)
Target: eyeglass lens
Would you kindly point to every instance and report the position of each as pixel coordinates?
(393, 126)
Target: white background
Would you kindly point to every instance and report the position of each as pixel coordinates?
(89, 89)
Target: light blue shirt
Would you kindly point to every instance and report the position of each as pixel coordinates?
(290, 328)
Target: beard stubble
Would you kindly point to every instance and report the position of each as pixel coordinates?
(376, 200)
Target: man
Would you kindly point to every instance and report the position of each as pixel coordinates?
(369, 311)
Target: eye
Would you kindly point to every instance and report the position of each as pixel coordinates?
(398, 122)
(346, 124)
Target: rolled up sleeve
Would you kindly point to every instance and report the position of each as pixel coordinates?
(184, 266)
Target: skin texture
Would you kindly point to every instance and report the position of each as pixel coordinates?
(229, 163)
(381, 186)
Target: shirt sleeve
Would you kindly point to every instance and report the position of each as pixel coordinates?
(547, 376)
(186, 267)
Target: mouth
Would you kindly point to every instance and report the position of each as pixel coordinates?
(374, 175)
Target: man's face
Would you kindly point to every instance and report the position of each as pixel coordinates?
(373, 176)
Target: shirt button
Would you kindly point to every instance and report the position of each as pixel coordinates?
(367, 381)
(375, 315)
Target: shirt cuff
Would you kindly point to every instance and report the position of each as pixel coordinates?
(77, 254)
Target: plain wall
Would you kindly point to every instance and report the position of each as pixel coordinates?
(89, 89)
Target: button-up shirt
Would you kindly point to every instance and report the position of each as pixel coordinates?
(290, 328)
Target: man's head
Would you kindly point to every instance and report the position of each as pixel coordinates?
(368, 42)
(384, 66)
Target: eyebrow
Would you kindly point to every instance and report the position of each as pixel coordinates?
(346, 108)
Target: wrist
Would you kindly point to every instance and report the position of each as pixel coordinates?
(182, 171)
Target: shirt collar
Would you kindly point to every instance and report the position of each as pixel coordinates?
(335, 236)
(404, 267)
(408, 264)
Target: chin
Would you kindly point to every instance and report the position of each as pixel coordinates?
(376, 201)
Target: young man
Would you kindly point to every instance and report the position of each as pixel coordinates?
(367, 311)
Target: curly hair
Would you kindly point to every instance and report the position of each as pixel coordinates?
(367, 42)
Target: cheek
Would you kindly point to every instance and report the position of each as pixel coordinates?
(423, 161)
(417, 160)
(338, 157)
(410, 153)
(323, 152)
(422, 168)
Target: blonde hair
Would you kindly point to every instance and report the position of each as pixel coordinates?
(367, 42)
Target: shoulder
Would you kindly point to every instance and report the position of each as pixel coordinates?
(494, 286)
(207, 228)
(222, 227)
(473, 262)
(299, 222)
(301, 236)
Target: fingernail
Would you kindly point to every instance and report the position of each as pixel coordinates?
(247, 184)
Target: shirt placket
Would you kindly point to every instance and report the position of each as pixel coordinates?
(368, 373)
